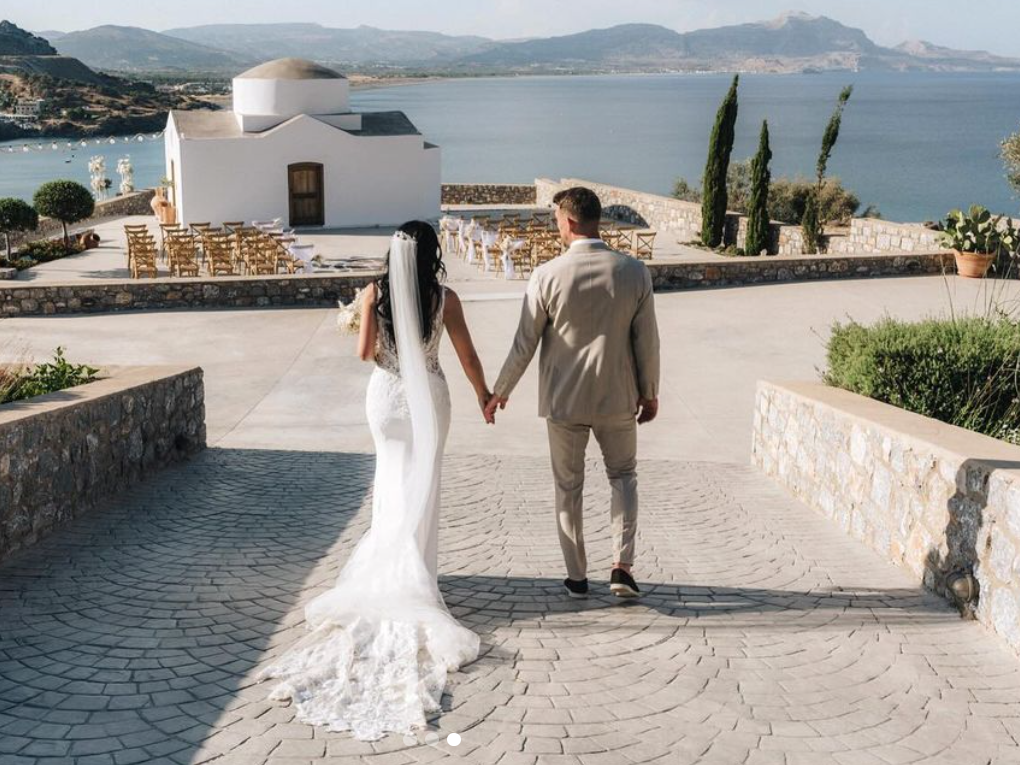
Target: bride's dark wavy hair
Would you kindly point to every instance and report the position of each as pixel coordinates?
(431, 273)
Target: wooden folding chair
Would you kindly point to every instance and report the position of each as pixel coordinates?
(219, 254)
(644, 244)
(143, 257)
(181, 255)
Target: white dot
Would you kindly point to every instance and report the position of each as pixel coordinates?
(431, 738)
(453, 739)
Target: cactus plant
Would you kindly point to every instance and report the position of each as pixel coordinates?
(978, 235)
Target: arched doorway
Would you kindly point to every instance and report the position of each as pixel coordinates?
(305, 188)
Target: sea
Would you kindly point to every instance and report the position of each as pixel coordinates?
(914, 144)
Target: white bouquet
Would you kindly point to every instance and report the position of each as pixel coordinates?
(348, 321)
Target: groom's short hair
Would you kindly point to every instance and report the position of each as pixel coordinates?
(580, 204)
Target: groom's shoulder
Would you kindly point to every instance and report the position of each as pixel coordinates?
(630, 265)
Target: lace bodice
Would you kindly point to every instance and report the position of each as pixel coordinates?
(386, 349)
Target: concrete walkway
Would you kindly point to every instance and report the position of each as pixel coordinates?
(286, 379)
(765, 636)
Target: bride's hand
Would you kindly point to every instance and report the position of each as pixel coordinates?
(483, 401)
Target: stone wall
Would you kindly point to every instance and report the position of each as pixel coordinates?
(136, 203)
(488, 194)
(29, 299)
(874, 235)
(739, 271)
(932, 498)
(65, 452)
(683, 220)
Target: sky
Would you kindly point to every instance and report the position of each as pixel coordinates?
(979, 24)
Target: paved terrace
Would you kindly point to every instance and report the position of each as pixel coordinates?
(109, 260)
(766, 635)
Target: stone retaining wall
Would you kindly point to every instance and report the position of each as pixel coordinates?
(873, 235)
(28, 299)
(932, 498)
(65, 452)
(666, 215)
(739, 271)
(136, 203)
(488, 193)
(683, 220)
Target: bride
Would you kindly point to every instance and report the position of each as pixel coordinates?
(382, 640)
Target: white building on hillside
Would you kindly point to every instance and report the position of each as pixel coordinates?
(293, 149)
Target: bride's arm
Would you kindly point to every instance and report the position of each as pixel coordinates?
(369, 324)
(460, 336)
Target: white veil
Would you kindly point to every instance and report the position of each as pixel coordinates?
(385, 611)
(405, 303)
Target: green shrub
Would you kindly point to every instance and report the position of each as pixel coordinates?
(787, 196)
(48, 377)
(788, 199)
(44, 251)
(965, 372)
(1011, 158)
(66, 201)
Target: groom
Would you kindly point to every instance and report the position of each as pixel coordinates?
(593, 312)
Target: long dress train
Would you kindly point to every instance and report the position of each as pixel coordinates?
(382, 640)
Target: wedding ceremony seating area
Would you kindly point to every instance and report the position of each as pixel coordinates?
(231, 249)
(513, 244)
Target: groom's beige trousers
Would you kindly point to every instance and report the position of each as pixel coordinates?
(617, 438)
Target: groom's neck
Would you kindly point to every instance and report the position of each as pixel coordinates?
(576, 236)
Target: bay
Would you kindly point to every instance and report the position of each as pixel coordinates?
(914, 144)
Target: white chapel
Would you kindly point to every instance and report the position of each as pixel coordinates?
(293, 149)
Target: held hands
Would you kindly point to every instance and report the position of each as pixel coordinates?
(489, 409)
(647, 409)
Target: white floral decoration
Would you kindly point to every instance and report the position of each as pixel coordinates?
(348, 320)
(127, 175)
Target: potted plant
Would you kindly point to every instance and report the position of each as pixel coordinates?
(164, 211)
(977, 239)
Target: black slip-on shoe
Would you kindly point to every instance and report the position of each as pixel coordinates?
(576, 589)
(622, 584)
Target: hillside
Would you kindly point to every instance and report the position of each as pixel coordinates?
(131, 48)
(15, 41)
(77, 101)
(791, 42)
(361, 45)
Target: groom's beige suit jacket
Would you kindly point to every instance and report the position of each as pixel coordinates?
(592, 310)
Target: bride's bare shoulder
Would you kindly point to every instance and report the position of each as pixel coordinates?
(451, 301)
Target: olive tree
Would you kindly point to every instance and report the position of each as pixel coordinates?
(16, 215)
(66, 201)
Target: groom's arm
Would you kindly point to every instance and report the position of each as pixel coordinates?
(644, 338)
(534, 317)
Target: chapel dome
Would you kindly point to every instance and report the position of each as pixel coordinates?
(290, 69)
(286, 87)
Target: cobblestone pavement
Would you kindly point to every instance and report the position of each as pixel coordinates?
(765, 636)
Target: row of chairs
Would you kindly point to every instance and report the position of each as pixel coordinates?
(142, 252)
(234, 249)
(516, 246)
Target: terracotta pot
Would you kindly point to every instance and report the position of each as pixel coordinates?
(973, 265)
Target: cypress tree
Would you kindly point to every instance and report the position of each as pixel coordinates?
(758, 209)
(812, 223)
(713, 185)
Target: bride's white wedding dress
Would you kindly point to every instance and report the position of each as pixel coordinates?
(382, 641)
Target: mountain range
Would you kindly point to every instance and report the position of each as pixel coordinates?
(792, 42)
